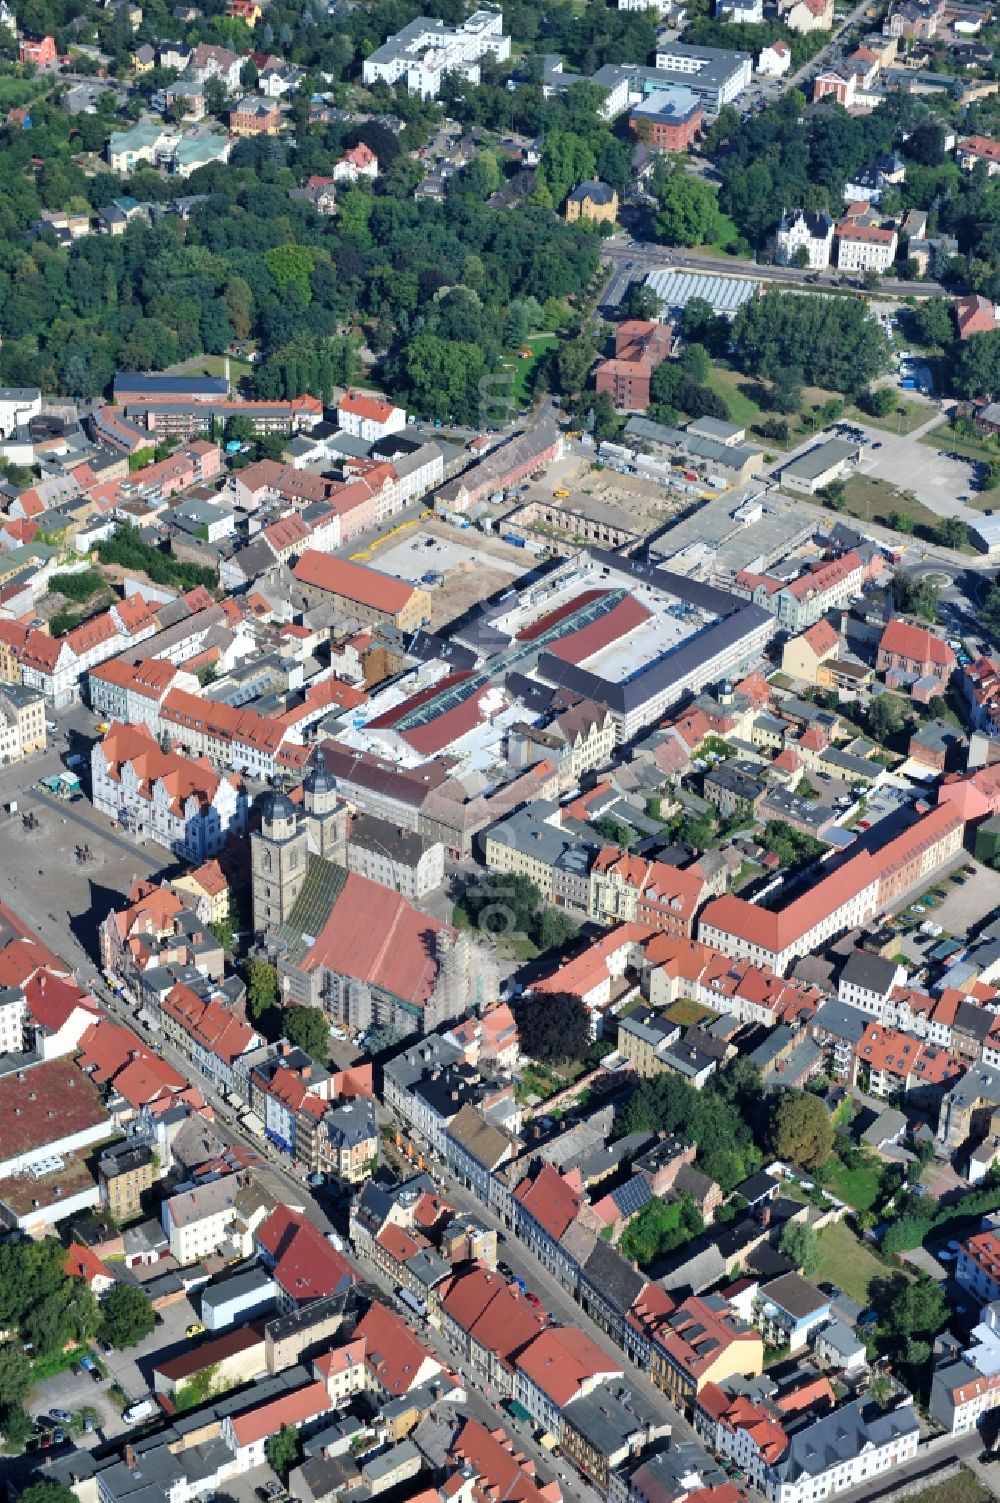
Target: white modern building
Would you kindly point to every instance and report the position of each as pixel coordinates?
(426, 50)
(18, 404)
(804, 230)
(716, 74)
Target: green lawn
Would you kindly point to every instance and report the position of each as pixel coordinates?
(725, 236)
(859, 1187)
(728, 384)
(522, 369)
(907, 417)
(846, 1262)
(17, 91)
(686, 1013)
(215, 365)
(872, 500)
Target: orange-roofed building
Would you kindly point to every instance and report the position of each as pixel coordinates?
(84, 1264)
(628, 888)
(361, 592)
(397, 1361)
(305, 1266)
(545, 1207)
(181, 804)
(369, 417)
(246, 1434)
(561, 1364)
(915, 650)
(802, 655)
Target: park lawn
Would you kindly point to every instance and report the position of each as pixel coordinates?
(726, 235)
(215, 365)
(846, 1262)
(859, 1187)
(17, 91)
(964, 1487)
(540, 344)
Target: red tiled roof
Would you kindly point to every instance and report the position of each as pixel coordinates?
(551, 1200)
(395, 1357)
(305, 1265)
(377, 936)
(378, 409)
(340, 577)
(52, 1000)
(289, 1409)
(562, 1360)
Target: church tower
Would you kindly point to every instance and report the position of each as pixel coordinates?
(278, 853)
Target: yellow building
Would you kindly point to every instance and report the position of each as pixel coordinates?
(124, 1177)
(209, 887)
(593, 200)
(704, 1341)
(802, 655)
(22, 722)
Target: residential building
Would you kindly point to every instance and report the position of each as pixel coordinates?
(974, 314)
(804, 16)
(804, 230)
(399, 859)
(560, 1365)
(788, 1310)
(702, 1341)
(866, 247)
(775, 59)
(369, 417)
(640, 347)
(594, 201)
(125, 1172)
(978, 1265)
(22, 722)
(973, 150)
(220, 1215)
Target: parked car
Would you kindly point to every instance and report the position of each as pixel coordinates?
(61, 1416)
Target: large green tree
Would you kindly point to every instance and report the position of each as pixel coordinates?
(801, 1130)
(834, 342)
(687, 211)
(553, 1027)
(309, 1028)
(126, 1317)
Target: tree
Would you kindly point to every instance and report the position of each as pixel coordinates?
(284, 1450)
(126, 1317)
(566, 159)
(262, 987)
(915, 597)
(801, 1130)
(800, 1243)
(216, 97)
(15, 1374)
(573, 363)
(976, 368)
(554, 929)
(309, 1029)
(659, 1227)
(687, 209)
(901, 521)
(47, 1492)
(934, 323)
(920, 1308)
(834, 342)
(694, 362)
(642, 302)
(882, 718)
(951, 532)
(554, 1027)
(879, 402)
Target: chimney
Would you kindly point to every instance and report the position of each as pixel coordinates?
(765, 1214)
(130, 1457)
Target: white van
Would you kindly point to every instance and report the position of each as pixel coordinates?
(135, 1413)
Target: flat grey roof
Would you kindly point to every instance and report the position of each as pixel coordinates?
(727, 294)
(817, 461)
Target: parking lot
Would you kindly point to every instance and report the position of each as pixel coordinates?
(940, 480)
(131, 1370)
